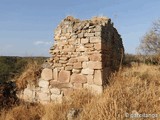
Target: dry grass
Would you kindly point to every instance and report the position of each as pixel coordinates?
(131, 90)
(29, 76)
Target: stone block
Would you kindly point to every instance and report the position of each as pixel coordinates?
(78, 85)
(98, 46)
(90, 79)
(82, 58)
(81, 49)
(47, 74)
(28, 95)
(57, 65)
(68, 68)
(94, 88)
(84, 64)
(80, 35)
(95, 40)
(95, 57)
(89, 34)
(55, 74)
(59, 85)
(94, 65)
(64, 76)
(72, 60)
(43, 83)
(57, 98)
(84, 40)
(98, 77)
(77, 65)
(55, 91)
(87, 71)
(45, 90)
(76, 78)
(76, 70)
(88, 45)
(43, 97)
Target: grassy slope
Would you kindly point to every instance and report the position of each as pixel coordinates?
(132, 90)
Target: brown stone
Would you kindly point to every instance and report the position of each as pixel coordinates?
(78, 85)
(67, 91)
(82, 58)
(94, 65)
(95, 40)
(95, 57)
(64, 76)
(98, 46)
(88, 45)
(98, 77)
(76, 78)
(87, 71)
(84, 40)
(89, 34)
(77, 65)
(84, 64)
(57, 65)
(68, 67)
(72, 60)
(47, 74)
(76, 70)
(81, 49)
(90, 79)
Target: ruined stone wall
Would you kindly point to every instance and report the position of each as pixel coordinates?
(83, 56)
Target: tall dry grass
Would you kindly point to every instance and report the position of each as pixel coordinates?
(131, 90)
(30, 75)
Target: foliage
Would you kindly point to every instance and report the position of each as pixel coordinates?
(150, 43)
(13, 66)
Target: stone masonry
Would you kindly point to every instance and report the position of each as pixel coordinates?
(84, 55)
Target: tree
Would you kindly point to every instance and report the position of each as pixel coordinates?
(150, 43)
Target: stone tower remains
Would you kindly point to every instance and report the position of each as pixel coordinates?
(84, 55)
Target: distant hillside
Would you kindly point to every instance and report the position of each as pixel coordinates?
(12, 66)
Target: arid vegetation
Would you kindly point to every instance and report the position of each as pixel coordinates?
(134, 89)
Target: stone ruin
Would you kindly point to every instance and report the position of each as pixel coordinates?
(84, 55)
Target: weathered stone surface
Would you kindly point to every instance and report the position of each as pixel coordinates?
(82, 58)
(87, 71)
(45, 90)
(89, 34)
(59, 85)
(72, 60)
(43, 97)
(57, 98)
(95, 57)
(98, 77)
(95, 40)
(76, 78)
(94, 65)
(98, 46)
(47, 74)
(67, 91)
(90, 79)
(84, 64)
(55, 74)
(76, 70)
(77, 65)
(84, 40)
(78, 85)
(43, 83)
(68, 67)
(29, 95)
(64, 76)
(55, 91)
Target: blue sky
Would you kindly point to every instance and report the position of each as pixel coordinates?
(26, 26)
